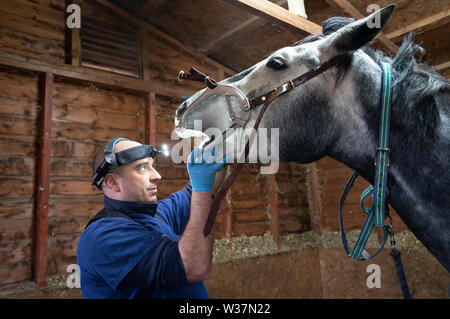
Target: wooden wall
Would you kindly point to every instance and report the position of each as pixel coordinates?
(85, 115)
(84, 119)
(19, 118)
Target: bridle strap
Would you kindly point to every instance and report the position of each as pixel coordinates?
(236, 170)
(289, 85)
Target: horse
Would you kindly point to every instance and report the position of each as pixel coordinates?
(337, 113)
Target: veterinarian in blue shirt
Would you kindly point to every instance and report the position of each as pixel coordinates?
(137, 247)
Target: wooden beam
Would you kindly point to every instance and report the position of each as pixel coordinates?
(100, 77)
(347, 8)
(228, 218)
(144, 54)
(148, 8)
(73, 41)
(269, 10)
(150, 119)
(421, 26)
(442, 66)
(241, 29)
(43, 181)
(314, 200)
(123, 14)
(273, 207)
(297, 7)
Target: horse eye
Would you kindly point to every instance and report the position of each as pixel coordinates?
(277, 63)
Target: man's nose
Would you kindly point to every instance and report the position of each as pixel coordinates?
(154, 176)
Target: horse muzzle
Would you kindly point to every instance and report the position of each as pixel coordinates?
(212, 110)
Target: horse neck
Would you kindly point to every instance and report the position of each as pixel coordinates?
(418, 180)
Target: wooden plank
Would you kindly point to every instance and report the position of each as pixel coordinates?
(442, 66)
(32, 47)
(72, 186)
(74, 42)
(37, 12)
(269, 10)
(119, 62)
(349, 9)
(148, 8)
(314, 200)
(15, 187)
(69, 206)
(101, 77)
(83, 132)
(273, 209)
(30, 26)
(16, 165)
(99, 100)
(426, 24)
(227, 37)
(150, 119)
(17, 126)
(71, 167)
(43, 182)
(144, 51)
(17, 208)
(159, 35)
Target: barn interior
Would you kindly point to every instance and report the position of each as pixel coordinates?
(65, 91)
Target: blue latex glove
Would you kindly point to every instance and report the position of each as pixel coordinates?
(202, 170)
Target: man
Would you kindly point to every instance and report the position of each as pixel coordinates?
(137, 247)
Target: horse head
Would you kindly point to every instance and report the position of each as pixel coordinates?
(311, 116)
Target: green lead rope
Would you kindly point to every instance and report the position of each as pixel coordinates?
(377, 213)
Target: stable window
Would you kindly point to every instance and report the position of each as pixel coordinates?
(110, 47)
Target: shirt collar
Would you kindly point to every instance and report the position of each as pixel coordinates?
(130, 207)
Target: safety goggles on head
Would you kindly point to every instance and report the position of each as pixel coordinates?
(113, 160)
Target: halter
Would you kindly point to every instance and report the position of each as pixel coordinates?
(214, 87)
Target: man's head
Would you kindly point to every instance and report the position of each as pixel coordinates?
(136, 181)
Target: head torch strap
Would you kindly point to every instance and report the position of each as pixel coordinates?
(135, 153)
(113, 160)
(109, 148)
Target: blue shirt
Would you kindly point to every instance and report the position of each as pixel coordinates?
(138, 258)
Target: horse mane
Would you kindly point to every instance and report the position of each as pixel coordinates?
(415, 86)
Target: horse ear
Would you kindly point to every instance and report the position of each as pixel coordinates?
(357, 34)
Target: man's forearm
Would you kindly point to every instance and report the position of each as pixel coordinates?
(195, 249)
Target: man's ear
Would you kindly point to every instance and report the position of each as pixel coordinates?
(110, 183)
(359, 33)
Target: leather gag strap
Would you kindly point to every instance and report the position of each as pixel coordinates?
(236, 170)
(196, 75)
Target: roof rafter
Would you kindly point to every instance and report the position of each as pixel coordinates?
(426, 24)
(148, 8)
(225, 38)
(269, 10)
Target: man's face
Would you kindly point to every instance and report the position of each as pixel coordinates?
(138, 180)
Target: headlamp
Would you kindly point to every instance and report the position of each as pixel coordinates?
(113, 160)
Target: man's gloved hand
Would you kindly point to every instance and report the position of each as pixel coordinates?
(202, 169)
